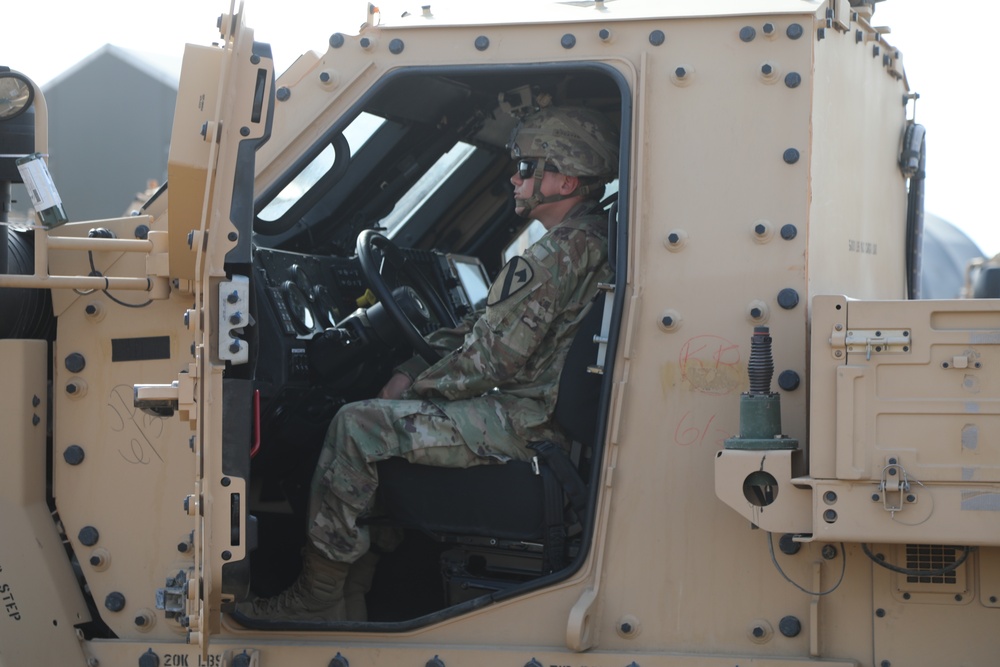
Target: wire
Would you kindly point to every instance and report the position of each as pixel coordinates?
(840, 580)
(95, 272)
(947, 569)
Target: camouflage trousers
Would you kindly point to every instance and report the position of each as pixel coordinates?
(363, 433)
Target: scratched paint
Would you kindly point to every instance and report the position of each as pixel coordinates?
(970, 436)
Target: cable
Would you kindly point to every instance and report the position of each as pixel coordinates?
(840, 580)
(95, 272)
(947, 569)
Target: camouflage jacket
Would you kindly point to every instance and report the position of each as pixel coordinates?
(512, 353)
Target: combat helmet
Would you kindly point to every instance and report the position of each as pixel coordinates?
(577, 141)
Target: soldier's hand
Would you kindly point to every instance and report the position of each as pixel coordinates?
(395, 387)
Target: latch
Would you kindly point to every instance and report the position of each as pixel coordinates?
(601, 339)
(894, 487)
(878, 341)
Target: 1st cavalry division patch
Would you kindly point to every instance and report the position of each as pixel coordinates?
(514, 276)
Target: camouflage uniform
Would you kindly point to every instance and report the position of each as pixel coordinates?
(482, 402)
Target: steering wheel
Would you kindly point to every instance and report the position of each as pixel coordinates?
(370, 240)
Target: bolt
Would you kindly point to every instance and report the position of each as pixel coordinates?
(365, 43)
(788, 545)
(35, 401)
(35, 420)
(667, 321)
(906, 596)
(241, 660)
(880, 613)
(892, 460)
(756, 313)
(892, 471)
(232, 236)
(236, 317)
(768, 28)
(838, 353)
(958, 597)
(829, 552)
(71, 388)
(993, 599)
(758, 631)
(233, 296)
(226, 555)
(876, 497)
(75, 362)
(244, 131)
(91, 309)
(626, 628)
(95, 560)
(182, 547)
(604, 34)
(283, 94)
(234, 347)
(680, 72)
(766, 69)
(910, 498)
(336, 40)
(830, 497)
(760, 229)
(339, 661)
(140, 620)
(673, 238)
(789, 232)
(147, 659)
(324, 77)
(794, 31)
(830, 516)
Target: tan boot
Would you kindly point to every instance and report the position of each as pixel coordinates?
(317, 595)
(359, 582)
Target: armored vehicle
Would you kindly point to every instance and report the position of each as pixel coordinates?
(781, 457)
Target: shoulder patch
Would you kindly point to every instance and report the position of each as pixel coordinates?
(514, 276)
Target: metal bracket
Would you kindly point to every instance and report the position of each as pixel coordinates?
(894, 483)
(879, 341)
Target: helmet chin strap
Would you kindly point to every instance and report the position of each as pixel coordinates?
(536, 198)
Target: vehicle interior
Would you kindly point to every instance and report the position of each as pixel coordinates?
(393, 225)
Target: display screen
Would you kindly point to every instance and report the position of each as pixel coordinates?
(473, 277)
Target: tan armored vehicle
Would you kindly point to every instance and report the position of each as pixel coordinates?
(167, 378)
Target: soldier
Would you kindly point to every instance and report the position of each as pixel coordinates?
(494, 390)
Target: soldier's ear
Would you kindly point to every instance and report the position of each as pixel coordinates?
(569, 184)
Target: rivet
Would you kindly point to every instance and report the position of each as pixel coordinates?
(147, 659)
(830, 497)
(788, 298)
(747, 33)
(793, 79)
(482, 43)
(141, 232)
(396, 46)
(336, 40)
(338, 661)
(880, 613)
(906, 596)
(830, 516)
(829, 552)
(226, 555)
(789, 380)
(958, 597)
(789, 232)
(232, 236)
(244, 131)
(790, 626)
(568, 41)
(226, 481)
(283, 94)
(993, 599)
(910, 498)
(74, 455)
(35, 401)
(182, 547)
(788, 545)
(876, 497)
(88, 536)
(794, 31)
(255, 59)
(114, 601)
(657, 38)
(790, 156)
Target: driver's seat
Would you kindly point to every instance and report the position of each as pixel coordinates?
(508, 522)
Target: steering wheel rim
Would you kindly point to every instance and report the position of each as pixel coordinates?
(369, 240)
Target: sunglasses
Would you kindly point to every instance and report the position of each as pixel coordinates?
(526, 168)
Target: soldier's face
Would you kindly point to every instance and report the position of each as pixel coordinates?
(524, 188)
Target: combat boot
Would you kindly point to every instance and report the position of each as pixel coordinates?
(317, 595)
(359, 582)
